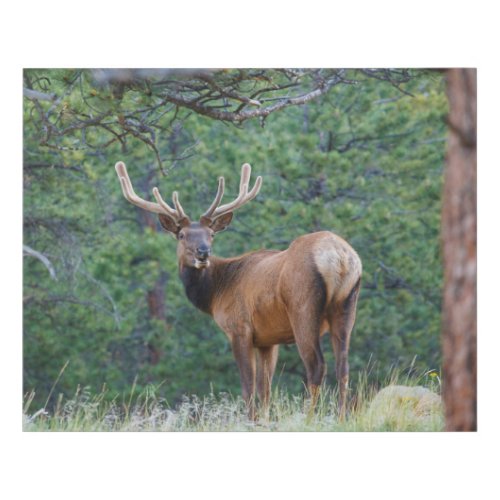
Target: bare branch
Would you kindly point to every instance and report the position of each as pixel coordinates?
(262, 112)
(39, 96)
(28, 251)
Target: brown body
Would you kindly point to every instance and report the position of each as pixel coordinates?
(269, 297)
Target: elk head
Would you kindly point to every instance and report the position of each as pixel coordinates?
(194, 239)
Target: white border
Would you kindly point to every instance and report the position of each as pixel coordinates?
(259, 34)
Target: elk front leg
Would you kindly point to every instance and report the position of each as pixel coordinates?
(267, 358)
(244, 354)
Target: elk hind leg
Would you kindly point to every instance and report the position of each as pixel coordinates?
(307, 338)
(341, 323)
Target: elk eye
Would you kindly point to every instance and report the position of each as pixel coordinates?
(181, 236)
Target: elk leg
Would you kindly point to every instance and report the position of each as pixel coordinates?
(244, 355)
(341, 324)
(307, 339)
(267, 358)
(340, 344)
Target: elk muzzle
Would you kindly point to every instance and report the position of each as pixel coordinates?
(201, 256)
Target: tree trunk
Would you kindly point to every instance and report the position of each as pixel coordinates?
(459, 254)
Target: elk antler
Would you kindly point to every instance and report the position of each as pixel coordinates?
(158, 208)
(243, 197)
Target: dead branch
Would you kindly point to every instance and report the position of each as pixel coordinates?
(28, 251)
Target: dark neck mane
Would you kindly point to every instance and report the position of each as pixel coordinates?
(202, 286)
(198, 284)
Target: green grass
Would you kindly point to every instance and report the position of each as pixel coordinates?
(408, 407)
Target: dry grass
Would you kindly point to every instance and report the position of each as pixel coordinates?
(408, 408)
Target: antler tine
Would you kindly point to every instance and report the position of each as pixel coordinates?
(163, 204)
(158, 208)
(246, 171)
(218, 197)
(244, 196)
(129, 193)
(178, 206)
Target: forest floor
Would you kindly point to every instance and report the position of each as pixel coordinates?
(404, 408)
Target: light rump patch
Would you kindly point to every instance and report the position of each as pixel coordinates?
(338, 264)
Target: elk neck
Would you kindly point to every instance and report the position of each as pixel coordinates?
(198, 285)
(203, 286)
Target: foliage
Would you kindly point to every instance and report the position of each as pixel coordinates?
(363, 159)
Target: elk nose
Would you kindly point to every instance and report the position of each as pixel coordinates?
(203, 251)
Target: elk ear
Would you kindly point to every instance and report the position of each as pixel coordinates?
(168, 224)
(221, 222)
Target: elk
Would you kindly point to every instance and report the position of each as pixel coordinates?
(267, 297)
